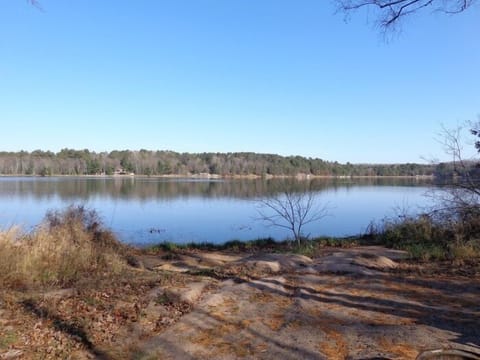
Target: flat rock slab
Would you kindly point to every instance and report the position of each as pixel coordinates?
(322, 316)
(189, 293)
(392, 254)
(190, 262)
(274, 263)
(11, 355)
(215, 258)
(344, 304)
(360, 260)
(174, 267)
(362, 263)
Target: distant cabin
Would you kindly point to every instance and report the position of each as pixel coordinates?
(122, 171)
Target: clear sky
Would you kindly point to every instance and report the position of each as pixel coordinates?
(275, 76)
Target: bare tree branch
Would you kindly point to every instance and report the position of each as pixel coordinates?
(459, 197)
(292, 211)
(468, 179)
(390, 12)
(35, 3)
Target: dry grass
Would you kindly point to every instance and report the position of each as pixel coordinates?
(467, 251)
(430, 237)
(67, 246)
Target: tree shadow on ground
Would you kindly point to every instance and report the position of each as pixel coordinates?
(64, 326)
(444, 303)
(427, 305)
(288, 351)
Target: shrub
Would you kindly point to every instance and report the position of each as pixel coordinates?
(69, 245)
(430, 236)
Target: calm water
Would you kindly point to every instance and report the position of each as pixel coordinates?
(145, 210)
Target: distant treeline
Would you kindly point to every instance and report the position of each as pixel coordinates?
(145, 162)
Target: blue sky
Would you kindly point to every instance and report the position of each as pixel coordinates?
(274, 76)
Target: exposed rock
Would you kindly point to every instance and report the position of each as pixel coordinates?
(214, 258)
(189, 294)
(175, 267)
(214, 300)
(446, 354)
(11, 354)
(375, 262)
(354, 262)
(374, 250)
(190, 262)
(276, 263)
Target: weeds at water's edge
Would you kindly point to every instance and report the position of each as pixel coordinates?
(233, 245)
(72, 244)
(308, 247)
(427, 238)
(423, 237)
(68, 246)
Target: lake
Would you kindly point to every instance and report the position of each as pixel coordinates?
(143, 210)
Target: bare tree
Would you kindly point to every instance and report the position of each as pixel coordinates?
(292, 210)
(390, 12)
(459, 195)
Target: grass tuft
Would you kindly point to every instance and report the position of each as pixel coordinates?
(69, 245)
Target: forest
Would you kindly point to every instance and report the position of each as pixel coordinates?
(156, 163)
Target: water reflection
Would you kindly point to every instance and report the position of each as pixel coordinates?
(83, 189)
(184, 210)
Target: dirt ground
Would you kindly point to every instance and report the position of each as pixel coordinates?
(356, 303)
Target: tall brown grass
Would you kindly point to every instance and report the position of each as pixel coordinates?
(67, 246)
(430, 237)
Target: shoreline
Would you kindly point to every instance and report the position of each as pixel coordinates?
(209, 301)
(210, 298)
(226, 177)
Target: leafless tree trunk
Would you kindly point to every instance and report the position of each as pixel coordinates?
(292, 210)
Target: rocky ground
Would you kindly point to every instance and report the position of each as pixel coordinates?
(355, 303)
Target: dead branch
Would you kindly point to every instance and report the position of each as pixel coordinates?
(292, 211)
(391, 11)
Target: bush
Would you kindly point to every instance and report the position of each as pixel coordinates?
(69, 245)
(430, 236)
